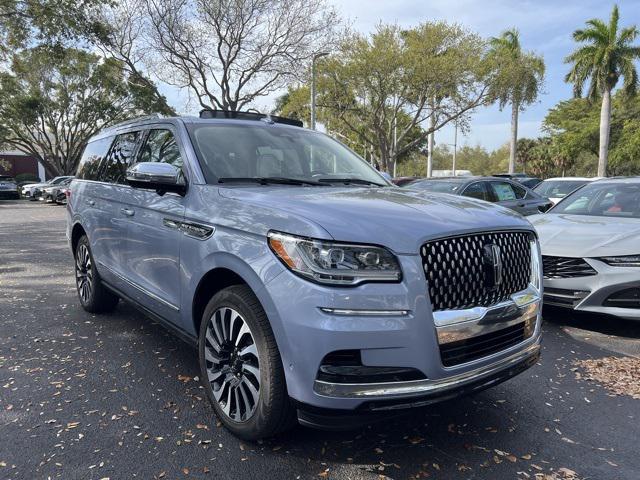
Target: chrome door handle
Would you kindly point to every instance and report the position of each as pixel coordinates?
(91, 203)
(127, 211)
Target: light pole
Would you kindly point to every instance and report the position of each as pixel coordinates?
(455, 148)
(313, 87)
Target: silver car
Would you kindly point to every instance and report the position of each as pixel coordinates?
(591, 249)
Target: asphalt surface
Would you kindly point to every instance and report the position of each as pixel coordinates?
(115, 396)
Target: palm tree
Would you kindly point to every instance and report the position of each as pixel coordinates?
(518, 82)
(606, 56)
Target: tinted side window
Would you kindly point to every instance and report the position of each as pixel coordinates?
(519, 191)
(117, 161)
(477, 190)
(503, 190)
(92, 158)
(161, 146)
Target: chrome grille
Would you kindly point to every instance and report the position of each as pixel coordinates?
(565, 267)
(457, 276)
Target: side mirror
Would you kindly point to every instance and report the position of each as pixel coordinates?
(545, 208)
(162, 177)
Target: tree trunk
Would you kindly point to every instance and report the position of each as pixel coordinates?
(605, 125)
(513, 145)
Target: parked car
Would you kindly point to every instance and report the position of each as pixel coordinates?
(502, 191)
(33, 191)
(8, 188)
(591, 248)
(401, 181)
(63, 196)
(53, 193)
(522, 178)
(555, 189)
(313, 288)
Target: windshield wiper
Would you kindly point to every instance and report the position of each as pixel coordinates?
(268, 180)
(357, 181)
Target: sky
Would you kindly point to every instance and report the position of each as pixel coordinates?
(545, 27)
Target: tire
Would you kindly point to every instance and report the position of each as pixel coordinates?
(93, 295)
(251, 404)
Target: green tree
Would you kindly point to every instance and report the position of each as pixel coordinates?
(378, 90)
(46, 21)
(53, 101)
(518, 82)
(607, 55)
(574, 126)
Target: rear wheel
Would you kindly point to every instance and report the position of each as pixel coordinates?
(93, 295)
(241, 369)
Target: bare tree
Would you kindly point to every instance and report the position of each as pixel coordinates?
(124, 36)
(229, 53)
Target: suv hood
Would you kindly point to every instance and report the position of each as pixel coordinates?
(392, 217)
(586, 236)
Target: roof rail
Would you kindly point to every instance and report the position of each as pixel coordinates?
(240, 115)
(153, 116)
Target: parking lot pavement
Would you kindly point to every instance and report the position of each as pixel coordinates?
(116, 396)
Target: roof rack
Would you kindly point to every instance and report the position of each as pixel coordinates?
(240, 115)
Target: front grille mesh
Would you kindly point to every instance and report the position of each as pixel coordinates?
(565, 267)
(456, 274)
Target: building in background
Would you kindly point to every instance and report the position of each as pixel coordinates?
(14, 163)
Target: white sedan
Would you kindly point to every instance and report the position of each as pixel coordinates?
(555, 189)
(590, 245)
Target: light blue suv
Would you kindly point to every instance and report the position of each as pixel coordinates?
(313, 289)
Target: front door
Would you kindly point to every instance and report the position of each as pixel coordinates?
(152, 250)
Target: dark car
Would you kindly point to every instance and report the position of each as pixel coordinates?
(8, 188)
(402, 181)
(503, 191)
(522, 178)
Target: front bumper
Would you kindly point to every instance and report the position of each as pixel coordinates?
(430, 393)
(590, 293)
(9, 194)
(391, 325)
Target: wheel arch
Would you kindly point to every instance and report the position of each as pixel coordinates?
(76, 233)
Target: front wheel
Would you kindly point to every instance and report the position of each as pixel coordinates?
(93, 295)
(240, 365)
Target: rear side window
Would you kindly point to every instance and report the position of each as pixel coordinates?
(161, 146)
(503, 191)
(478, 190)
(92, 158)
(119, 158)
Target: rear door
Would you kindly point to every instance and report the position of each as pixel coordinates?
(479, 190)
(506, 194)
(110, 234)
(152, 250)
(84, 204)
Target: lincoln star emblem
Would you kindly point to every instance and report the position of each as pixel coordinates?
(492, 260)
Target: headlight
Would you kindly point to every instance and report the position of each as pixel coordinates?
(335, 263)
(624, 261)
(535, 263)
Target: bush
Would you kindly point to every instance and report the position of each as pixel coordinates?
(27, 177)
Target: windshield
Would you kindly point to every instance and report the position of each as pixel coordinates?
(603, 199)
(245, 152)
(558, 188)
(441, 186)
(6, 178)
